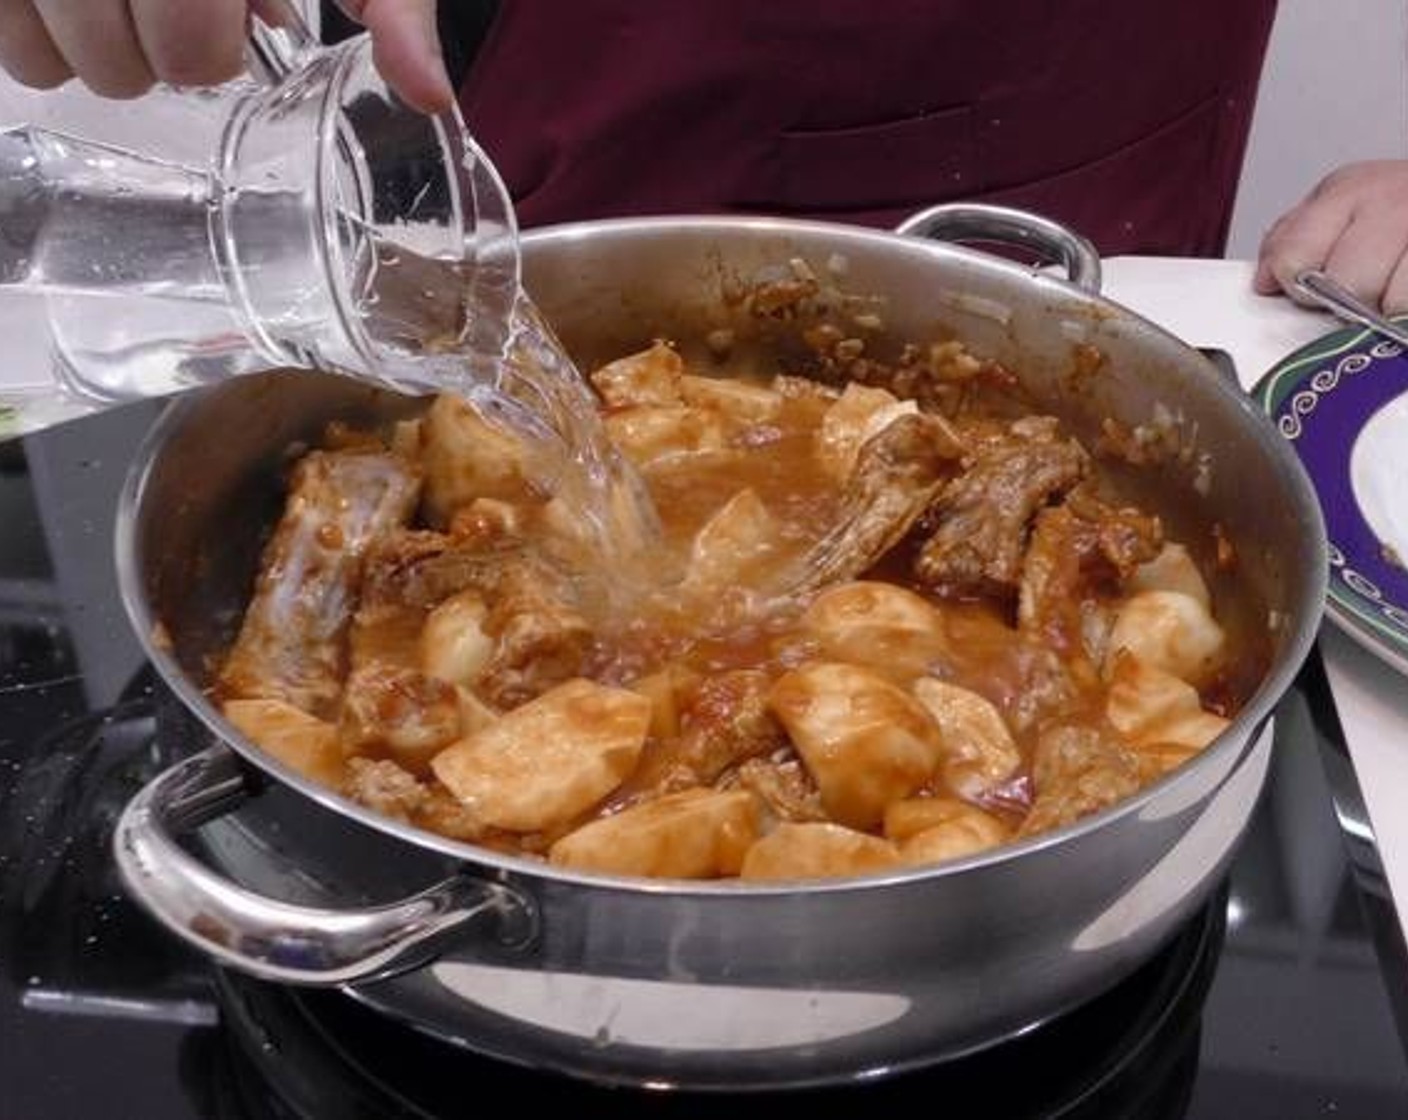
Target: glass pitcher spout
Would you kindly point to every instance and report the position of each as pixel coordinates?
(331, 227)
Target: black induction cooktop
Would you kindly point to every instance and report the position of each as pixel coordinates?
(1285, 997)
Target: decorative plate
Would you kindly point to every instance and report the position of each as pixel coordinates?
(1342, 401)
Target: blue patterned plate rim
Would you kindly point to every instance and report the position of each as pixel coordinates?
(1320, 398)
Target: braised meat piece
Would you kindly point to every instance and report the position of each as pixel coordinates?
(540, 637)
(897, 474)
(292, 643)
(388, 788)
(422, 568)
(1038, 684)
(1029, 683)
(785, 787)
(1081, 551)
(408, 574)
(938, 376)
(1077, 771)
(727, 722)
(400, 711)
(983, 515)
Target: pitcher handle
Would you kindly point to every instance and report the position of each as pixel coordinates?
(1002, 225)
(280, 941)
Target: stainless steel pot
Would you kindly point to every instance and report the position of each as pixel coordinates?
(713, 984)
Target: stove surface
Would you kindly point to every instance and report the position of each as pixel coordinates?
(1284, 998)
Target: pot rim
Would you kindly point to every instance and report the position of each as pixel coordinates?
(1240, 737)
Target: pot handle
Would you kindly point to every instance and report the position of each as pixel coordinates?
(275, 940)
(1002, 225)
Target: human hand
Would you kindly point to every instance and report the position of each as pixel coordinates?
(1353, 226)
(406, 49)
(119, 48)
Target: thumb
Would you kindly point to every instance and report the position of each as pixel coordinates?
(406, 49)
(1264, 281)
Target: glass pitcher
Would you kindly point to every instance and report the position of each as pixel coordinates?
(330, 226)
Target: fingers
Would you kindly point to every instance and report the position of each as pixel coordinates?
(99, 42)
(190, 44)
(1353, 226)
(119, 48)
(276, 13)
(406, 49)
(1365, 255)
(1395, 297)
(26, 50)
(1301, 239)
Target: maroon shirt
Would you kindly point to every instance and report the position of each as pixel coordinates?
(1127, 121)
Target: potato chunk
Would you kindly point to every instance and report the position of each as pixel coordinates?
(648, 377)
(301, 742)
(1167, 630)
(932, 829)
(540, 766)
(861, 412)
(650, 434)
(474, 713)
(668, 691)
(737, 540)
(1158, 713)
(817, 851)
(693, 834)
(740, 401)
(453, 645)
(1172, 569)
(878, 625)
(979, 752)
(865, 741)
(466, 457)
